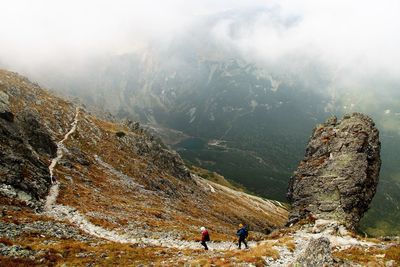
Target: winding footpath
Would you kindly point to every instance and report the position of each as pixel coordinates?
(53, 193)
(63, 212)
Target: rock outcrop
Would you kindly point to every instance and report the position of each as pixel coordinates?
(23, 142)
(338, 176)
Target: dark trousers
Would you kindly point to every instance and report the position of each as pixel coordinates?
(240, 242)
(204, 245)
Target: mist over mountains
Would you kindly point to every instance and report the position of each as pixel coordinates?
(232, 90)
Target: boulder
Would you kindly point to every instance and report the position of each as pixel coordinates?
(339, 174)
(317, 254)
(5, 112)
(4, 101)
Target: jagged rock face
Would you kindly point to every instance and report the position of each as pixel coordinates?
(339, 174)
(22, 141)
(162, 157)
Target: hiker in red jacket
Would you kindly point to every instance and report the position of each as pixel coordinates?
(204, 237)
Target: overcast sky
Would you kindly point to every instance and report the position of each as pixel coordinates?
(362, 34)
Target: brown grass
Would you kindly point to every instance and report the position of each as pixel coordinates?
(6, 241)
(108, 254)
(254, 255)
(359, 255)
(279, 233)
(393, 253)
(287, 241)
(216, 178)
(13, 262)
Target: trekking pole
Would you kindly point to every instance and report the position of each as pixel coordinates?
(233, 242)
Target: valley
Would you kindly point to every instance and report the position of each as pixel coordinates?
(248, 123)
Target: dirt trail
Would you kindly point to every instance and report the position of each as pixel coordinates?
(63, 212)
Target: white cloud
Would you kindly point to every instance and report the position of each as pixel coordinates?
(359, 36)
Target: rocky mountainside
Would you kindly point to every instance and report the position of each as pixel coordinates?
(25, 144)
(77, 190)
(71, 182)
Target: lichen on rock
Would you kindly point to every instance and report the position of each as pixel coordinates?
(339, 174)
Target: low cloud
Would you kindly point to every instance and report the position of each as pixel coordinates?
(355, 38)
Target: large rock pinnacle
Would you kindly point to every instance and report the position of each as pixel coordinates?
(338, 176)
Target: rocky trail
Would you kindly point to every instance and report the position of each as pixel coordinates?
(60, 145)
(72, 215)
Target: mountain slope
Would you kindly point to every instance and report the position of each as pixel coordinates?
(107, 181)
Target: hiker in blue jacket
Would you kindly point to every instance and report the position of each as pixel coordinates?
(242, 233)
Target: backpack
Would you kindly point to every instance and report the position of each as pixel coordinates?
(242, 233)
(246, 232)
(207, 237)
